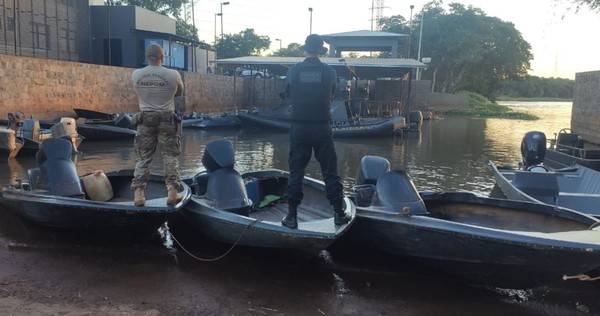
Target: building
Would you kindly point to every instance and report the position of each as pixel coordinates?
(90, 31)
(55, 29)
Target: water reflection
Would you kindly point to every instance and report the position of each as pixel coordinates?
(449, 154)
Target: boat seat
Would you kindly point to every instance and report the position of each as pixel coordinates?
(541, 186)
(57, 171)
(397, 192)
(226, 190)
(568, 139)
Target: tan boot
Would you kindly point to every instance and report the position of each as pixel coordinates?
(173, 196)
(139, 199)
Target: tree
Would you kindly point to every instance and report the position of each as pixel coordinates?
(245, 43)
(469, 50)
(593, 4)
(292, 50)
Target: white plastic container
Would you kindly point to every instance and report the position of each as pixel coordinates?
(97, 186)
(66, 128)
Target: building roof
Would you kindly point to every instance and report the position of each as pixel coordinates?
(362, 34)
(365, 68)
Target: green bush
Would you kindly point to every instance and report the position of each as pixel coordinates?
(481, 107)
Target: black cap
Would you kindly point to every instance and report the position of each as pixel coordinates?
(314, 44)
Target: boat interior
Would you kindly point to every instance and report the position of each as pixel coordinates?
(384, 192)
(57, 175)
(260, 197)
(572, 144)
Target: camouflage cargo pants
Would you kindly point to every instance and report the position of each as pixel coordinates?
(167, 134)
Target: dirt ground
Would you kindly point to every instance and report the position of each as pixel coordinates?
(44, 272)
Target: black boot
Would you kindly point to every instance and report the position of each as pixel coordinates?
(291, 220)
(341, 218)
(339, 215)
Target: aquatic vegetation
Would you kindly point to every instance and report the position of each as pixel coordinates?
(481, 107)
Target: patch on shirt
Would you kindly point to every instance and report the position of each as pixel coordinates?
(310, 77)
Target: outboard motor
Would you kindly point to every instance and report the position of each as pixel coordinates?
(225, 188)
(533, 149)
(57, 171)
(370, 168)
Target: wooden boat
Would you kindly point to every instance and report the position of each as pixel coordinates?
(496, 242)
(568, 149)
(576, 187)
(277, 119)
(246, 209)
(55, 196)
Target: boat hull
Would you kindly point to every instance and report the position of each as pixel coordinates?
(42, 208)
(379, 128)
(467, 239)
(262, 228)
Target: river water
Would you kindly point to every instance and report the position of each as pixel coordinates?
(450, 154)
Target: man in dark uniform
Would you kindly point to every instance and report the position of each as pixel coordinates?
(310, 86)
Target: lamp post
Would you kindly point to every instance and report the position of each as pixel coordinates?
(221, 14)
(310, 29)
(410, 30)
(419, 50)
(216, 15)
(279, 40)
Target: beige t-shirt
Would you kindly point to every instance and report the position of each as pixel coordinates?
(155, 87)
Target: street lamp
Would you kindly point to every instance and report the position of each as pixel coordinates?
(279, 40)
(222, 4)
(419, 50)
(410, 31)
(216, 15)
(310, 30)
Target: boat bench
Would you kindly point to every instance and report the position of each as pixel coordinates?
(539, 185)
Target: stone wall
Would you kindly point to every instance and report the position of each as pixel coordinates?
(585, 115)
(48, 89)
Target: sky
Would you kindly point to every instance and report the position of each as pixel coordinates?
(563, 42)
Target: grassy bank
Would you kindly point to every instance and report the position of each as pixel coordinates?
(481, 107)
(507, 98)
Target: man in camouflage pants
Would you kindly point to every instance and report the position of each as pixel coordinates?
(157, 124)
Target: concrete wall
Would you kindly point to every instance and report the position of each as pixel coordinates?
(585, 116)
(48, 89)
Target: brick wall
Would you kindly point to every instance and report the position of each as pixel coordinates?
(585, 114)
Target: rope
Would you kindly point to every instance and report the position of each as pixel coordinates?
(581, 277)
(216, 258)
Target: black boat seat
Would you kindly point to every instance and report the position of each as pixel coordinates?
(226, 190)
(57, 171)
(568, 139)
(539, 185)
(397, 192)
(590, 154)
